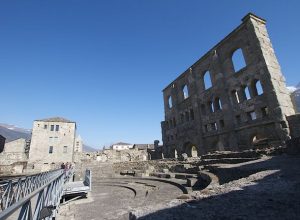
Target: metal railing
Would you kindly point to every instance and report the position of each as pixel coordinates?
(24, 198)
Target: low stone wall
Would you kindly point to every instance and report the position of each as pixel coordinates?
(12, 157)
(112, 156)
(12, 169)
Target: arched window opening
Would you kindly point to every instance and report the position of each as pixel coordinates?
(170, 103)
(194, 152)
(211, 106)
(247, 93)
(258, 88)
(238, 60)
(175, 154)
(207, 80)
(185, 92)
(218, 104)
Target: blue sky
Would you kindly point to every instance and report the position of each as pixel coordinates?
(104, 64)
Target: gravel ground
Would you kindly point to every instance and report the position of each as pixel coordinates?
(268, 188)
(271, 191)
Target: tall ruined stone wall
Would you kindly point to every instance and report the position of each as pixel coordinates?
(242, 106)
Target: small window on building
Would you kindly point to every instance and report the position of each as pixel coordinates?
(247, 93)
(182, 117)
(213, 126)
(251, 115)
(203, 109)
(258, 88)
(264, 112)
(238, 119)
(174, 122)
(170, 103)
(50, 149)
(238, 60)
(211, 106)
(206, 128)
(52, 128)
(45, 126)
(57, 128)
(185, 92)
(217, 104)
(65, 149)
(222, 124)
(192, 116)
(187, 116)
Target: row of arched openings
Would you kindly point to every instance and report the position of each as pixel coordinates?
(238, 61)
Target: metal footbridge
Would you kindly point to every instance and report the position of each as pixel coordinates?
(37, 197)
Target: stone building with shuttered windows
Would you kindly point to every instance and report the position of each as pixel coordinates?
(52, 141)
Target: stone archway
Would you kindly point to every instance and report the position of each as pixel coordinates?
(190, 149)
(175, 154)
(220, 146)
(125, 157)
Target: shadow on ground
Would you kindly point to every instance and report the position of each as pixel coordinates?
(274, 195)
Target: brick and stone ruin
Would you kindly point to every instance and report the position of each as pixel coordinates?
(233, 98)
(230, 150)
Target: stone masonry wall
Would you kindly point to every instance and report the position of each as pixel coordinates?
(242, 106)
(294, 125)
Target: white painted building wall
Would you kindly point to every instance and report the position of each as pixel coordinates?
(121, 146)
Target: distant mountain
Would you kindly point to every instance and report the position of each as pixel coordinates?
(11, 132)
(87, 148)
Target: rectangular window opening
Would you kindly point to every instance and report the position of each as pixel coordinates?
(52, 128)
(50, 149)
(264, 112)
(65, 149)
(214, 126)
(57, 128)
(206, 128)
(251, 115)
(238, 119)
(222, 124)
